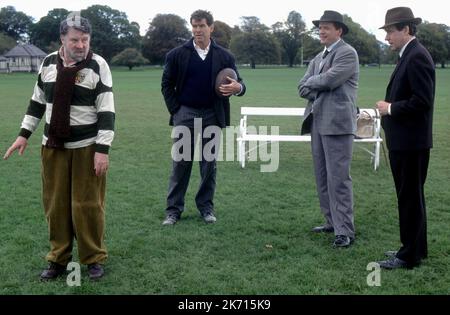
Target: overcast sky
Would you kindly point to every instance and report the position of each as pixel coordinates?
(370, 13)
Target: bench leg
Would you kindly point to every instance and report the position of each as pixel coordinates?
(241, 143)
(376, 159)
(241, 153)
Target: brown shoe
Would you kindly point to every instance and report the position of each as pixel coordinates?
(53, 271)
(95, 271)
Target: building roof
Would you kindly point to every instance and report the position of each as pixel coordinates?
(3, 58)
(26, 50)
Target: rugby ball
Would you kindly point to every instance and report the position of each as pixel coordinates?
(221, 78)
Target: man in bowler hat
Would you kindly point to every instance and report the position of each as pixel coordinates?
(330, 85)
(407, 117)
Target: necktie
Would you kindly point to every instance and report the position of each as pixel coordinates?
(325, 53)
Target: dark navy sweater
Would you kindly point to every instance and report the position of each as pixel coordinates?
(197, 91)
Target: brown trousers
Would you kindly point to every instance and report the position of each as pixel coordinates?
(74, 203)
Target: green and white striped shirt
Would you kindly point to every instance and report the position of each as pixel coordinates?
(92, 112)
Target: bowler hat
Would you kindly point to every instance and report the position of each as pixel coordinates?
(400, 15)
(332, 17)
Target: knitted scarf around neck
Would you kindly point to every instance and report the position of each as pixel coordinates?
(59, 130)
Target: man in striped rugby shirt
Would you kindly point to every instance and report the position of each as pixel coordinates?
(74, 92)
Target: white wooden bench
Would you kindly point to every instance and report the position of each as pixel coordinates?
(244, 136)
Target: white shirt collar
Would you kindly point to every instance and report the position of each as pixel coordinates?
(202, 52)
(404, 47)
(332, 45)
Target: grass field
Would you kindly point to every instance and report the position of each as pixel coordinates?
(262, 242)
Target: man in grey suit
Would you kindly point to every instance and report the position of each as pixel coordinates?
(330, 85)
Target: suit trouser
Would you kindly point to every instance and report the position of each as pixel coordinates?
(332, 156)
(182, 167)
(409, 169)
(74, 203)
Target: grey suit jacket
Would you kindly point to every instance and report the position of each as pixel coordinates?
(331, 90)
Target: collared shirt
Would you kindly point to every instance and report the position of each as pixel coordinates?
(401, 54)
(404, 47)
(332, 46)
(329, 49)
(202, 52)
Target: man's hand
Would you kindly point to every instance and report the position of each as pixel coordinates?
(383, 107)
(20, 144)
(101, 163)
(231, 88)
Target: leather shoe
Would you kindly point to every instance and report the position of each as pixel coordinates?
(53, 271)
(209, 218)
(342, 241)
(392, 263)
(323, 229)
(390, 253)
(170, 219)
(95, 271)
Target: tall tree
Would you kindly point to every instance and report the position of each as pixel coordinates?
(365, 44)
(111, 30)
(252, 24)
(45, 33)
(311, 47)
(257, 47)
(133, 38)
(166, 31)
(436, 38)
(6, 43)
(290, 35)
(222, 33)
(235, 31)
(15, 24)
(387, 56)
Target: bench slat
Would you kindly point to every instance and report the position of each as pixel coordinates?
(286, 111)
(248, 137)
(272, 111)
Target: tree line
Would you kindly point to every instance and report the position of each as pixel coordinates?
(287, 42)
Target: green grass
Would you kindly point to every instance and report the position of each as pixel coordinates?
(262, 242)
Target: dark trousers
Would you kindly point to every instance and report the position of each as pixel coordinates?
(409, 169)
(181, 169)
